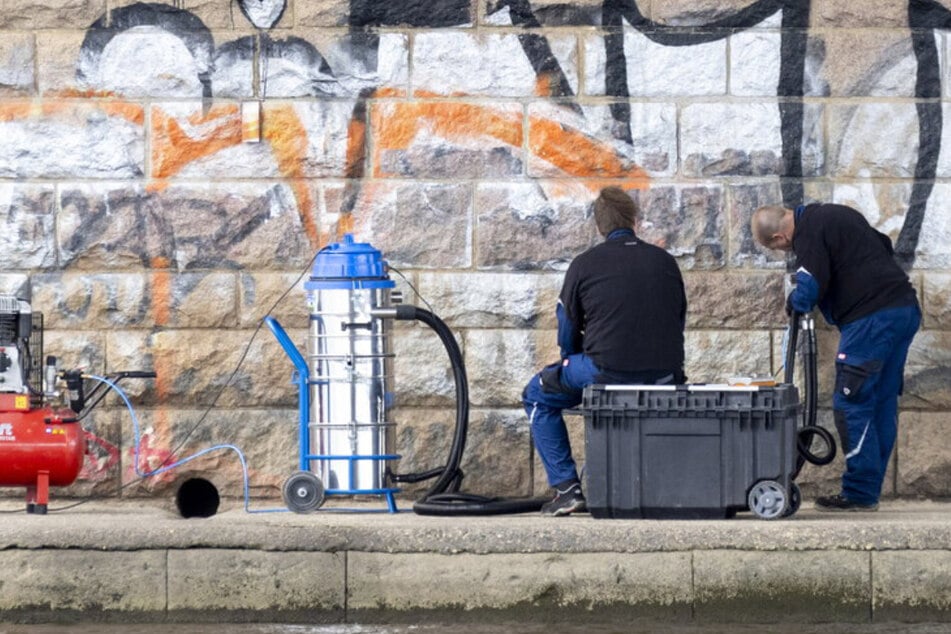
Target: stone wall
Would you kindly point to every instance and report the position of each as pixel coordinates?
(168, 170)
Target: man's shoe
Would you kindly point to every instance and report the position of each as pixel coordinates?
(565, 502)
(841, 503)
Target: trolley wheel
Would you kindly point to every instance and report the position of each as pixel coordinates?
(795, 500)
(303, 492)
(767, 499)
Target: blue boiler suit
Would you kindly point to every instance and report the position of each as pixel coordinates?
(848, 270)
(621, 316)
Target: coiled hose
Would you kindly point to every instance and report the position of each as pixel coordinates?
(443, 497)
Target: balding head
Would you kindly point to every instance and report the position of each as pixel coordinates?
(772, 226)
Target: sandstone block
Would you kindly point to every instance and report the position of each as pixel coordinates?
(492, 300)
(218, 226)
(719, 139)
(273, 582)
(687, 221)
(500, 362)
(72, 140)
(911, 585)
(41, 582)
(419, 225)
(883, 205)
(755, 59)
(934, 243)
(744, 250)
(495, 64)
(27, 240)
(924, 466)
(851, 130)
(705, 64)
(862, 62)
(713, 356)
(546, 12)
(524, 226)
(752, 586)
(885, 13)
(29, 14)
(936, 306)
(592, 581)
(322, 13)
(686, 13)
(927, 371)
(17, 55)
(734, 300)
(447, 139)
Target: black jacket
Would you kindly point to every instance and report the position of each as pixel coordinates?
(852, 266)
(625, 298)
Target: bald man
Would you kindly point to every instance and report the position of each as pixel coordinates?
(848, 269)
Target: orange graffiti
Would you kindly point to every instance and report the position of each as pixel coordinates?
(288, 138)
(577, 154)
(18, 110)
(173, 148)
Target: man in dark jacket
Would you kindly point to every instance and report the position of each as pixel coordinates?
(621, 317)
(848, 269)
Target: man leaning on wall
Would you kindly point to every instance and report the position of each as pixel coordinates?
(848, 269)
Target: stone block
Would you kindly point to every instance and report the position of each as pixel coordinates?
(911, 586)
(280, 295)
(725, 139)
(43, 584)
(17, 284)
(861, 63)
(447, 139)
(589, 143)
(936, 307)
(854, 131)
(924, 463)
(299, 139)
(535, 583)
(744, 249)
(884, 205)
(57, 53)
(734, 300)
(526, 226)
(322, 13)
(933, 248)
(715, 355)
(27, 238)
(418, 225)
(422, 368)
(17, 59)
(687, 221)
(755, 60)
(496, 460)
(197, 300)
(194, 365)
(30, 14)
(691, 13)
(880, 14)
(492, 65)
(85, 349)
(312, 63)
(794, 587)
(220, 226)
(549, 13)
(927, 372)
(500, 362)
(203, 445)
(273, 583)
(704, 64)
(71, 140)
(493, 300)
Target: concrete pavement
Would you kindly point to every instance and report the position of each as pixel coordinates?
(140, 561)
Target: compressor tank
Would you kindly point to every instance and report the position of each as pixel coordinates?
(350, 361)
(37, 446)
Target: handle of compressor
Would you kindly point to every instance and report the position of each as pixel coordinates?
(97, 392)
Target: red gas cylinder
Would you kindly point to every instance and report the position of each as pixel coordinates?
(39, 448)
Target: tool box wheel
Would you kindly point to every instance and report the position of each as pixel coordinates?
(767, 499)
(303, 492)
(795, 500)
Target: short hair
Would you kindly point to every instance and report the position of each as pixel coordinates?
(766, 222)
(614, 209)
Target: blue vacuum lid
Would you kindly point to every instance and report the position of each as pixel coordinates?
(349, 264)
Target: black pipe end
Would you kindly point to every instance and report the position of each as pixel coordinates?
(197, 497)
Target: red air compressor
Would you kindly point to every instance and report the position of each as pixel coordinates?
(41, 441)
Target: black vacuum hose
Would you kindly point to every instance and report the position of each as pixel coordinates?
(809, 430)
(443, 497)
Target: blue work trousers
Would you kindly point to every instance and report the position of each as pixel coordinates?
(557, 387)
(869, 371)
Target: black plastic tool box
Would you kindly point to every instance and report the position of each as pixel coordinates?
(690, 451)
